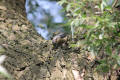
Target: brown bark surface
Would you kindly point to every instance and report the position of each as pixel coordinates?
(29, 57)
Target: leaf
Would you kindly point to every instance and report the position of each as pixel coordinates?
(73, 45)
(109, 50)
(118, 60)
(62, 2)
(68, 8)
(106, 4)
(104, 68)
(101, 36)
(103, 4)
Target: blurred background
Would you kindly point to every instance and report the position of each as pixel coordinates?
(46, 16)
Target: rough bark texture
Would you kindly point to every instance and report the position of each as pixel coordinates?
(29, 57)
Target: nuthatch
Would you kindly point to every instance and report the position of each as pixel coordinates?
(59, 40)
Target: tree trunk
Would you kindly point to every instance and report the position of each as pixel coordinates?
(29, 57)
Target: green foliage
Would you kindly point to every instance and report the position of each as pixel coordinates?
(8, 77)
(102, 22)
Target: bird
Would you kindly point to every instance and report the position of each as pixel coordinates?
(60, 40)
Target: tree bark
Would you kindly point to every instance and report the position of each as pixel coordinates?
(29, 57)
